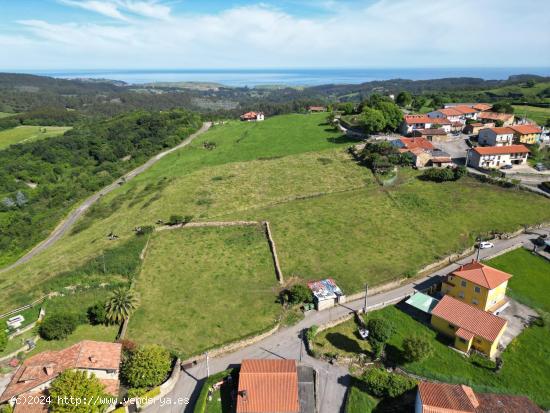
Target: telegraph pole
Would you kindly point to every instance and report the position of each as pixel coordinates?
(478, 239)
(366, 293)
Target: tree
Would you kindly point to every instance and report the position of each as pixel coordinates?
(404, 99)
(86, 391)
(3, 339)
(380, 331)
(530, 83)
(383, 384)
(392, 114)
(417, 348)
(148, 366)
(121, 305)
(503, 107)
(347, 107)
(373, 120)
(97, 314)
(299, 293)
(58, 326)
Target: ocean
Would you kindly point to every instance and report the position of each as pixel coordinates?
(290, 77)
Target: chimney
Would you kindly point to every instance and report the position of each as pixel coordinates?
(92, 359)
(49, 370)
(244, 395)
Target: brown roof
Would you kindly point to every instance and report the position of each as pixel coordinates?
(456, 398)
(47, 365)
(317, 108)
(416, 143)
(502, 130)
(446, 398)
(268, 386)
(482, 274)
(411, 119)
(450, 111)
(482, 106)
(464, 316)
(526, 129)
(501, 150)
(495, 116)
(30, 403)
(465, 109)
(431, 131)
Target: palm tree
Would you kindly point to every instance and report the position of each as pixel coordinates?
(121, 305)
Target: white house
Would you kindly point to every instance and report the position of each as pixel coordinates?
(252, 117)
(459, 113)
(496, 136)
(487, 157)
(413, 122)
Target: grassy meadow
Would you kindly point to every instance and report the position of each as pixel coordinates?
(203, 287)
(294, 172)
(22, 134)
(539, 115)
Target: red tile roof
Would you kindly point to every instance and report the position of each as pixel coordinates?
(482, 106)
(469, 318)
(502, 130)
(446, 398)
(450, 111)
(482, 274)
(466, 335)
(416, 143)
(495, 116)
(526, 129)
(501, 150)
(30, 403)
(47, 365)
(456, 398)
(412, 119)
(268, 386)
(465, 109)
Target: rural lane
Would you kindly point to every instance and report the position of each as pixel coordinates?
(287, 343)
(75, 214)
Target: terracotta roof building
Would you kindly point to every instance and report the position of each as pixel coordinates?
(469, 325)
(482, 107)
(457, 398)
(528, 134)
(36, 372)
(481, 274)
(268, 386)
(412, 122)
(252, 116)
(497, 156)
(506, 118)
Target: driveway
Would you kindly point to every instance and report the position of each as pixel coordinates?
(518, 317)
(287, 344)
(456, 147)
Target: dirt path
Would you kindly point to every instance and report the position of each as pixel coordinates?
(70, 220)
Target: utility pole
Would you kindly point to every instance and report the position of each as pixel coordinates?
(478, 248)
(366, 293)
(301, 344)
(207, 365)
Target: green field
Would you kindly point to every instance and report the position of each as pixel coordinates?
(203, 287)
(22, 134)
(294, 172)
(358, 400)
(6, 114)
(539, 115)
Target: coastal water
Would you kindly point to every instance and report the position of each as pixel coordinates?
(291, 77)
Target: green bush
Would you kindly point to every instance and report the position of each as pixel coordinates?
(380, 331)
(3, 339)
(417, 348)
(299, 293)
(97, 314)
(439, 174)
(200, 405)
(312, 332)
(136, 392)
(58, 326)
(148, 366)
(145, 229)
(380, 383)
(180, 219)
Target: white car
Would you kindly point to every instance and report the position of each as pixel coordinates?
(485, 244)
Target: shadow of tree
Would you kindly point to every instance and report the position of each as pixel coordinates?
(342, 138)
(342, 342)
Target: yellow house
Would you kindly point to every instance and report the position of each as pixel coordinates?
(478, 284)
(469, 326)
(528, 134)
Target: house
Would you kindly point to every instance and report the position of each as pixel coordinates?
(474, 128)
(527, 134)
(252, 117)
(440, 159)
(423, 152)
(496, 136)
(326, 293)
(457, 398)
(458, 113)
(413, 122)
(36, 373)
(317, 109)
(405, 144)
(506, 118)
(469, 326)
(433, 135)
(482, 107)
(497, 156)
(268, 386)
(478, 284)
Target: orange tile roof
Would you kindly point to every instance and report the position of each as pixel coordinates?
(450, 111)
(465, 109)
(416, 143)
(31, 403)
(446, 398)
(501, 150)
(411, 119)
(526, 129)
(482, 274)
(268, 386)
(47, 365)
(502, 130)
(482, 106)
(503, 403)
(495, 116)
(465, 334)
(464, 316)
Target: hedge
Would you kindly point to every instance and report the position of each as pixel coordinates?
(200, 406)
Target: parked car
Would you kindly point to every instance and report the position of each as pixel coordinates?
(485, 244)
(506, 167)
(540, 167)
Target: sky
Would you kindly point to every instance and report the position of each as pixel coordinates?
(172, 34)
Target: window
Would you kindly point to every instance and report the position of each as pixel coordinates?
(451, 326)
(463, 283)
(461, 294)
(477, 289)
(475, 302)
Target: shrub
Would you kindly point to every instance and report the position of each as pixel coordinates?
(3, 339)
(145, 229)
(58, 326)
(97, 314)
(81, 386)
(180, 219)
(417, 348)
(299, 293)
(148, 366)
(439, 174)
(380, 331)
(311, 332)
(137, 392)
(380, 383)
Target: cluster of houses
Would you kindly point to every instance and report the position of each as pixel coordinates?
(423, 152)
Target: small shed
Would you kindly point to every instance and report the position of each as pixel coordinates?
(422, 305)
(326, 293)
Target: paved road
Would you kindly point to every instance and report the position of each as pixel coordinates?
(286, 343)
(68, 222)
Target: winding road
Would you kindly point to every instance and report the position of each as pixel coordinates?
(70, 220)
